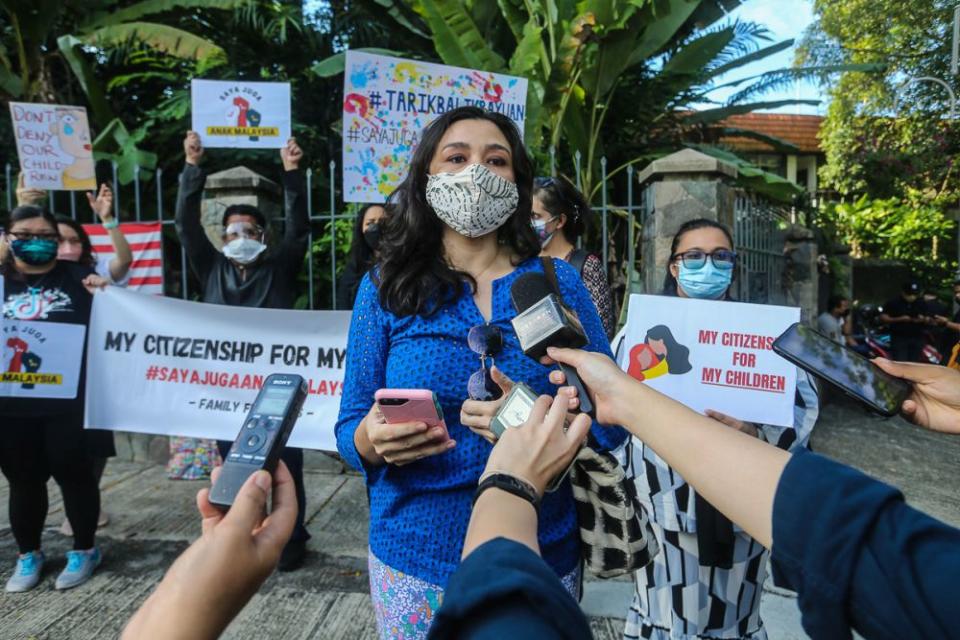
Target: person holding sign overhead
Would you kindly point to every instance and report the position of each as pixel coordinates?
(676, 595)
(250, 271)
(42, 423)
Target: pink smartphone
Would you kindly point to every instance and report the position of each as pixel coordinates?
(410, 405)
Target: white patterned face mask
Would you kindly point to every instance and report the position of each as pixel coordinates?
(473, 202)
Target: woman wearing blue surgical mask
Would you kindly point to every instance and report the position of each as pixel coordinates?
(559, 217)
(435, 314)
(708, 578)
(43, 434)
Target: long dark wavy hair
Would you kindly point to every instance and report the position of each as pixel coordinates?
(87, 256)
(415, 277)
(669, 282)
(24, 212)
(678, 356)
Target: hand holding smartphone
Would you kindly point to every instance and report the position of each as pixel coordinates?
(843, 367)
(393, 430)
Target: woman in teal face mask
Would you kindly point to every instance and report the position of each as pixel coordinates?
(707, 580)
(43, 433)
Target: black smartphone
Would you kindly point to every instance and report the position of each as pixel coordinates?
(843, 367)
(263, 435)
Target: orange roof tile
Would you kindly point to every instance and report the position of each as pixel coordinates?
(800, 130)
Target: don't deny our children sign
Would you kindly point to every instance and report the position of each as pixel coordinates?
(712, 355)
(173, 367)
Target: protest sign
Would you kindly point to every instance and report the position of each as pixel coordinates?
(712, 354)
(54, 146)
(387, 103)
(241, 115)
(173, 367)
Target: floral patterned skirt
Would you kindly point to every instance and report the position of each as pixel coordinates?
(405, 606)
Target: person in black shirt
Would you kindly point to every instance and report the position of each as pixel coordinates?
(951, 327)
(363, 253)
(249, 272)
(908, 320)
(44, 437)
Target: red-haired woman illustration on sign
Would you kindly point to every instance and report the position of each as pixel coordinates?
(658, 355)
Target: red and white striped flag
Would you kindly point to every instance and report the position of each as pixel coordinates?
(146, 273)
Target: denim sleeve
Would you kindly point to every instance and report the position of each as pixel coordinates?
(367, 348)
(577, 297)
(860, 557)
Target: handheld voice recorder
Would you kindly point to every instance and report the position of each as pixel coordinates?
(263, 435)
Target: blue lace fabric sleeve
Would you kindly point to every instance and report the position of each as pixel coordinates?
(367, 348)
(577, 297)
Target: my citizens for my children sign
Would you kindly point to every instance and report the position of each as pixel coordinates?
(712, 355)
(54, 146)
(241, 115)
(387, 103)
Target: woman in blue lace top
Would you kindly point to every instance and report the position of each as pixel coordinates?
(448, 258)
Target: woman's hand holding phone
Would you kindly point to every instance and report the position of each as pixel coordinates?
(399, 443)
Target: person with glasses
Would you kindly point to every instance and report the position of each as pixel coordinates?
(708, 577)
(435, 314)
(559, 216)
(250, 271)
(43, 437)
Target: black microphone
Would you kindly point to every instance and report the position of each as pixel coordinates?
(542, 321)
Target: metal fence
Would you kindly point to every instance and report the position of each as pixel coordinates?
(614, 237)
(759, 242)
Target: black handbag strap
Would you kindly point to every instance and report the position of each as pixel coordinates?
(550, 271)
(579, 258)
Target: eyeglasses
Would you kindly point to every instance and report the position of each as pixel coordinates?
(32, 236)
(696, 259)
(243, 230)
(486, 341)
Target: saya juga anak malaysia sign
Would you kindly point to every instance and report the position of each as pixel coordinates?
(388, 101)
(712, 355)
(201, 382)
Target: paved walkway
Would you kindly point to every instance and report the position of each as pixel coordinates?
(153, 520)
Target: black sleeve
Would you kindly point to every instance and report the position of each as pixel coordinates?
(200, 252)
(293, 245)
(347, 285)
(505, 590)
(859, 557)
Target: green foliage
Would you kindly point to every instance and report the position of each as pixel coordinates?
(909, 230)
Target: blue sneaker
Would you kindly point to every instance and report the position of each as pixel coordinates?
(80, 566)
(26, 574)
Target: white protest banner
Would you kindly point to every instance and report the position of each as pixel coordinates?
(54, 146)
(173, 367)
(712, 354)
(387, 103)
(240, 114)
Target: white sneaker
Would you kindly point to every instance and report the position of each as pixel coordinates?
(80, 566)
(26, 575)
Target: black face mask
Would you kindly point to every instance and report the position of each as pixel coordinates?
(372, 236)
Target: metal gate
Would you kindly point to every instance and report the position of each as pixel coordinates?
(758, 238)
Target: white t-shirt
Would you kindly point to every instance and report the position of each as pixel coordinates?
(103, 270)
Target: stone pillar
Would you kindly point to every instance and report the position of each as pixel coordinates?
(683, 186)
(238, 185)
(802, 285)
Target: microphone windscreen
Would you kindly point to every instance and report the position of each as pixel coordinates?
(528, 290)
